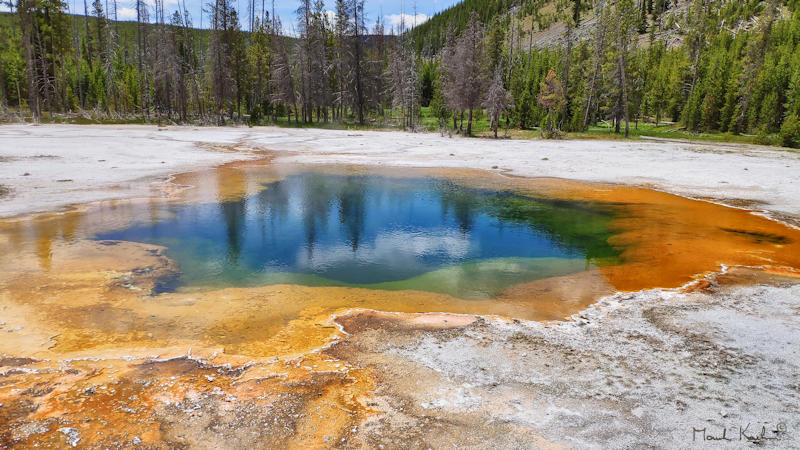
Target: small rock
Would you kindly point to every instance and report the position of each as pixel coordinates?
(494, 167)
(209, 378)
(72, 435)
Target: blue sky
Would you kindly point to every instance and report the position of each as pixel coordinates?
(390, 9)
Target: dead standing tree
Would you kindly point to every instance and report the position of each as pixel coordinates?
(341, 55)
(450, 77)
(26, 9)
(320, 67)
(462, 63)
(305, 49)
(358, 30)
(191, 58)
(283, 84)
(497, 100)
(220, 49)
(598, 43)
(625, 19)
(469, 50)
(402, 74)
(402, 68)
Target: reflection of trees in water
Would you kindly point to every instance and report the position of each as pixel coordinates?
(464, 203)
(574, 226)
(317, 197)
(317, 193)
(273, 201)
(233, 214)
(233, 211)
(272, 205)
(352, 198)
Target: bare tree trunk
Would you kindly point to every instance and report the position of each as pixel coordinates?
(139, 49)
(600, 38)
(44, 81)
(357, 58)
(623, 49)
(590, 96)
(88, 35)
(567, 62)
(511, 47)
(3, 96)
(306, 71)
(27, 24)
(146, 78)
(530, 47)
(624, 93)
(77, 57)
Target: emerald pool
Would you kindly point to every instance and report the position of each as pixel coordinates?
(377, 231)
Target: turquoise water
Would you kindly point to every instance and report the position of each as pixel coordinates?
(381, 232)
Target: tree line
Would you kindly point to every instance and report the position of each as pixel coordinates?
(336, 68)
(706, 65)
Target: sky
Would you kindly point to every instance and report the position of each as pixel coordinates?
(391, 10)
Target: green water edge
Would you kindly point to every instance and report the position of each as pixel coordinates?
(469, 280)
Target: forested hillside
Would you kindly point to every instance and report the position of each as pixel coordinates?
(711, 65)
(553, 65)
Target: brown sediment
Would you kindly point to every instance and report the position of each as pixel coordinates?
(86, 346)
(183, 402)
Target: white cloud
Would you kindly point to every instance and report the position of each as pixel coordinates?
(126, 14)
(129, 13)
(394, 21)
(399, 247)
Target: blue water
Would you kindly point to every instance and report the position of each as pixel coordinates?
(378, 231)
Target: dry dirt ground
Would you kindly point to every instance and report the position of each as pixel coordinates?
(712, 365)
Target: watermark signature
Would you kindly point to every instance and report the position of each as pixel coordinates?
(746, 433)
